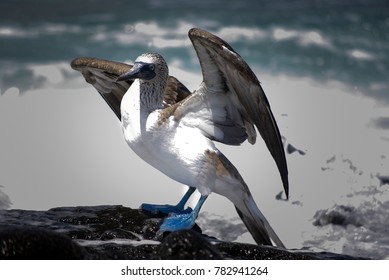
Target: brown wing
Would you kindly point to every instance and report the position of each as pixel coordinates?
(102, 74)
(226, 74)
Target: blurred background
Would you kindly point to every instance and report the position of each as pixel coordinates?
(324, 66)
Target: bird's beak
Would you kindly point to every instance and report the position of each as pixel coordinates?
(132, 74)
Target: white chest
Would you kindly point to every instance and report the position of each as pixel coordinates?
(140, 127)
(133, 118)
(173, 148)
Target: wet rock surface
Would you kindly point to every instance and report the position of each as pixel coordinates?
(117, 232)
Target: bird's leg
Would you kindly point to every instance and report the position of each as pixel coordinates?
(183, 220)
(167, 209)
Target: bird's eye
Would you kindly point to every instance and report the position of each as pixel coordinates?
(152, 67)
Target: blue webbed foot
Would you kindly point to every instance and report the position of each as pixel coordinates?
(167, 209)
(164, 209)
(179, 218)
(178, 221)
(182, 220)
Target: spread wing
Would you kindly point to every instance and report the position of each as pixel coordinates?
(102, 74)
(230, 101)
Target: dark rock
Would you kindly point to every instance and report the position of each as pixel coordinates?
(254, 252)
(290, 149)
(187, 245)
(340, 215)
(384, 180)
(34, 243)
(117, 232)
(109, 222)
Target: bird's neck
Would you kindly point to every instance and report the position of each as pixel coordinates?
(151, 95)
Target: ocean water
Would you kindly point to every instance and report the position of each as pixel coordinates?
(324, 66)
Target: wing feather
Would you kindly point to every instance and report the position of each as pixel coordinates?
(103, 74)
(226, 74)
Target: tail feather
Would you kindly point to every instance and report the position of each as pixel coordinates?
(256, 223)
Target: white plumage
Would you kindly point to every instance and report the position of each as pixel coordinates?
(173, 129)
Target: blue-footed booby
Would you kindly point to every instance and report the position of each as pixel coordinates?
(174, 130)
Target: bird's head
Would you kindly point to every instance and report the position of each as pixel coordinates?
(147, 67)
